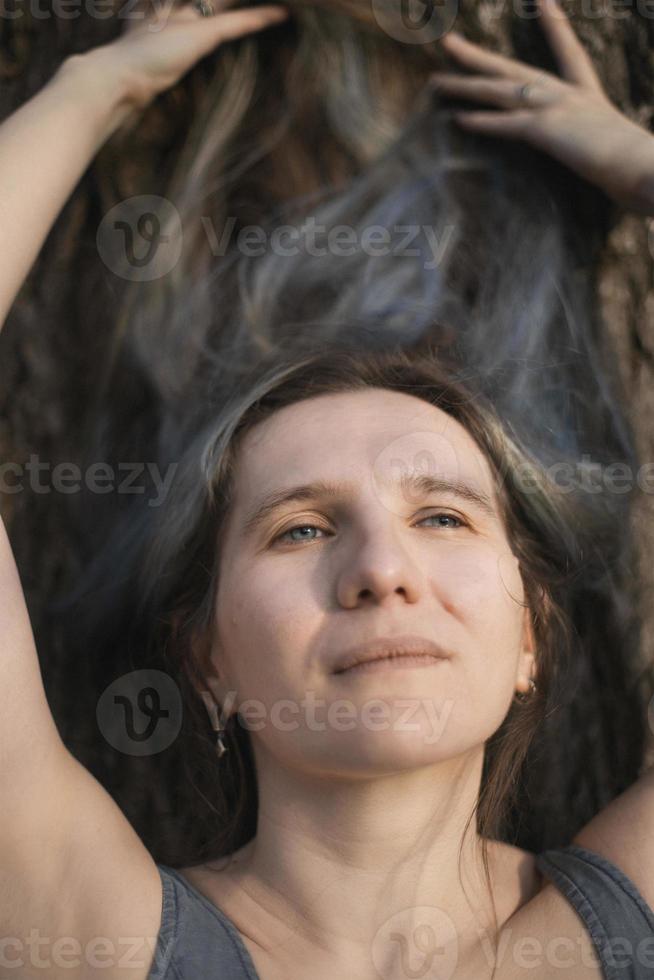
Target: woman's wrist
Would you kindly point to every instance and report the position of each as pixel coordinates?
(101, 89)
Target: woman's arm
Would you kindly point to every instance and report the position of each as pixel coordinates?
(47, 144)
(71, 864)
(45, 147)
(569, 117)
(623, 832)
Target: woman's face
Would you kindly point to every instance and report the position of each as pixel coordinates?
(359, 557)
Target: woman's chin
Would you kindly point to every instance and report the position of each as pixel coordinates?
(370, 754)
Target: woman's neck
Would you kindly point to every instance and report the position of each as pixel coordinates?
(341, 867)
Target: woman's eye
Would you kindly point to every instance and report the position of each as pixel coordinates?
(298, 527)
(290, 535)
(447, 517)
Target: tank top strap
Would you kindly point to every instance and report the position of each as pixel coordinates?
(619, 920)
(196, 939)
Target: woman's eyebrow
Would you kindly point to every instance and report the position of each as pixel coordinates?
(416, 484)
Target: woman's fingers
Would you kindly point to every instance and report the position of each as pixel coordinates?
(476, 58)
(167, 43)
(225, 24)
(501, 92)
(512, 125)
(574, 61)
(578, 124)
(232, 24)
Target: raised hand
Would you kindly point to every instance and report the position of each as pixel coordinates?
(157, 49)
(568, 116)
(90, 97)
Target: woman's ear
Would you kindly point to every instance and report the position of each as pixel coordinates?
(201, 668)
(528, 637)
(208, 681)
(527, 659)
(210, 694)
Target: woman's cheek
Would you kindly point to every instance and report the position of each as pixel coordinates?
(479, 573)
(266, 629)
(483, 590)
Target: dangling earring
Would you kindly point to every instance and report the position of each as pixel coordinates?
(212, 707)
(221, 746)
(527, 695)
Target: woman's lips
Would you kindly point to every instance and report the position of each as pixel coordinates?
(406, 662)
(385, 648)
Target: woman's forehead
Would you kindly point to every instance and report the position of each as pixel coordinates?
(377, 434)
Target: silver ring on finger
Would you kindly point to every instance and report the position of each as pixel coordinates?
(535, 93)
(525, 93)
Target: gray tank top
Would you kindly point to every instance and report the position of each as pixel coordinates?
(197, 941)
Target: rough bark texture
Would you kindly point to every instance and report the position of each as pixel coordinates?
(51, 349)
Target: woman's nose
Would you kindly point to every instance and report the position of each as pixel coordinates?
(378, 567)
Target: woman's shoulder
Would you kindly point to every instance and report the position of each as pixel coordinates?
(563, 908)
(623, 834)
(516, 878)
(196, 928)
(587, 904)
(532, 912)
